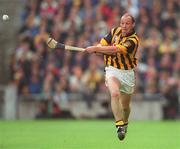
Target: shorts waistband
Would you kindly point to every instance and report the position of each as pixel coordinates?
(122, 70)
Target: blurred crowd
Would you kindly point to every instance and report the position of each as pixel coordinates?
(82, 23)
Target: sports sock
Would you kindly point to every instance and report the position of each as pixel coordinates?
(119, 123)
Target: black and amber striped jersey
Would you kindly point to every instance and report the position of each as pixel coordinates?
(126, 60)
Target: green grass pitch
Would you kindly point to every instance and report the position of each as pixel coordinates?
(88, 134)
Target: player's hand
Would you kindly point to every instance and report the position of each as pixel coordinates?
(91, 49)
(51, 43)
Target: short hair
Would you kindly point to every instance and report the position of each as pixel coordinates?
(129, 15)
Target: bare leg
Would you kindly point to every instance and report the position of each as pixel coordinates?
(117, 106)
(125, 102)
(113, 86)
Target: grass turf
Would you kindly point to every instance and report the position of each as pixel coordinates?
(87, 134)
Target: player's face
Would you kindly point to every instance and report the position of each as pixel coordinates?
(126, 25)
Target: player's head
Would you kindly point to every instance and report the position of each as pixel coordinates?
(127, 24)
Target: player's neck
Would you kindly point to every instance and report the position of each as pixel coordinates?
(129, 33)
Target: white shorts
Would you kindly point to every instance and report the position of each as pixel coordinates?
(126, 78)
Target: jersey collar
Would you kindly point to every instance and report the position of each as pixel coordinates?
(131, 33)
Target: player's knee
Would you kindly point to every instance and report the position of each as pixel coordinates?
(115, 94)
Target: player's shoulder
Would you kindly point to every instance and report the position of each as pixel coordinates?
(115, 30)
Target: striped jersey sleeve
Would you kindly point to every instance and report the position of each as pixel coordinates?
(106, 40)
